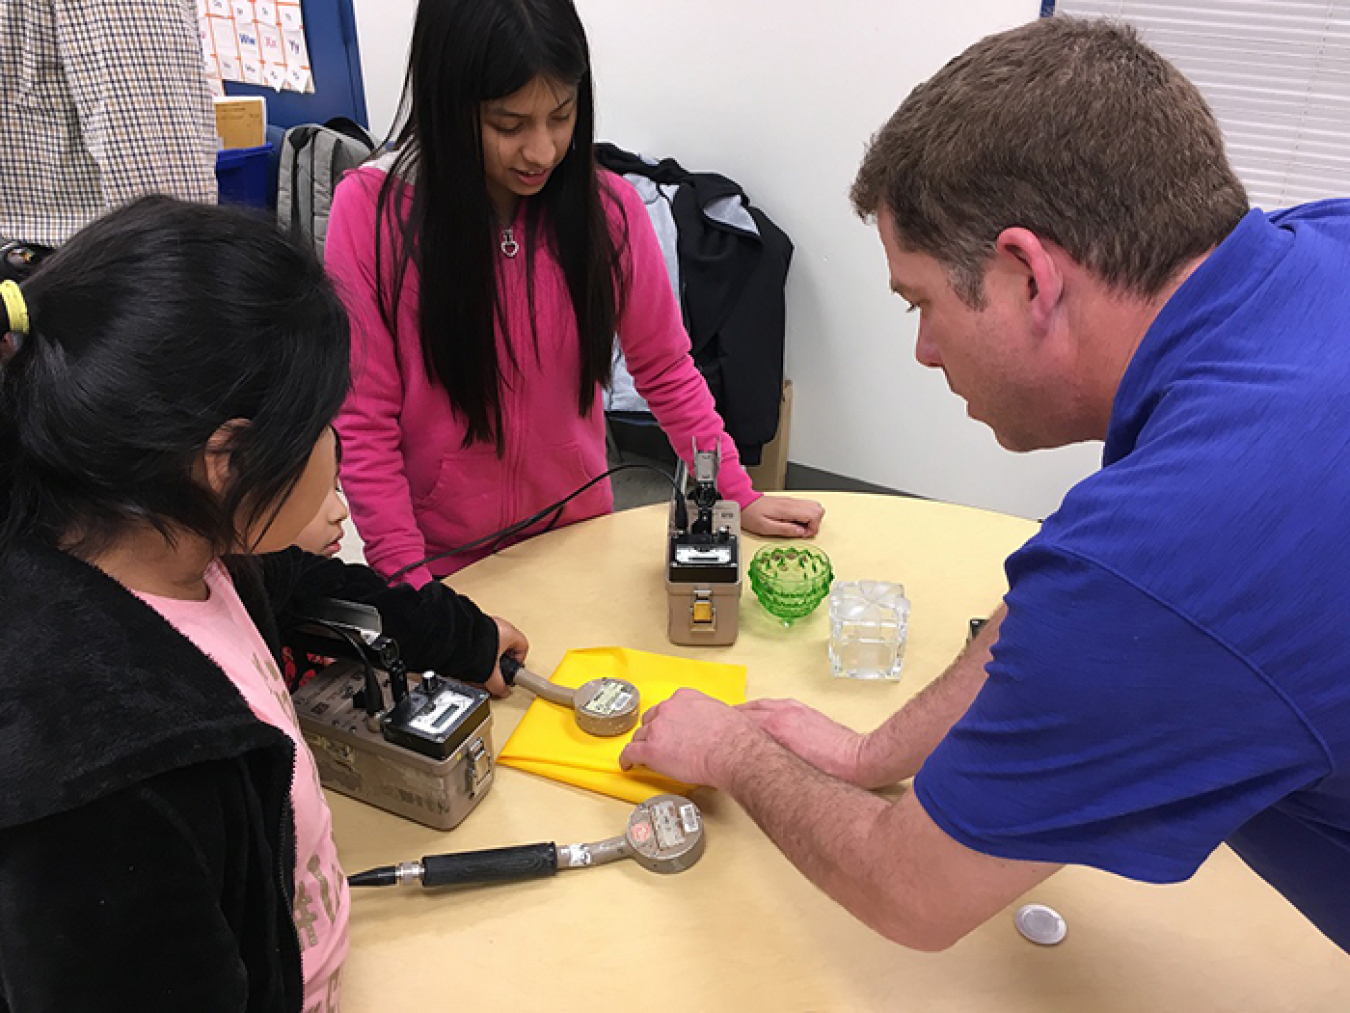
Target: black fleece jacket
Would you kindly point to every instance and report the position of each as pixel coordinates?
(435, 628)
(146, 838)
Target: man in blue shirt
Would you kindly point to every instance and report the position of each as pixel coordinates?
(1171, 669)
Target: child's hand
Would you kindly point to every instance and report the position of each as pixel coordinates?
(782, 517)
(509, 641)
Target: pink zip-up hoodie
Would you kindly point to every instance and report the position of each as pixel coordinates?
(414, 489)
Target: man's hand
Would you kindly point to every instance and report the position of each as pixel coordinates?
(782, 517)
(825, 744)
(691, 737)
(509, 641)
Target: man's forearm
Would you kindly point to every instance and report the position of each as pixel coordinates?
(897, 749)
(834, 833)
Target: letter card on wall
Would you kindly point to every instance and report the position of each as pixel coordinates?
(260, 42)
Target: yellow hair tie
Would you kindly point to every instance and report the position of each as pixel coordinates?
(15, 306)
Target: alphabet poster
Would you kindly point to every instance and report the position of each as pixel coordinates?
(255, 42)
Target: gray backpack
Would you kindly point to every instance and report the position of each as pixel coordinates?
(313, 160)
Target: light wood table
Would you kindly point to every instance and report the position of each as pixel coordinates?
(743, 930)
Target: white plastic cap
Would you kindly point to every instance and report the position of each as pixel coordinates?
(1041, 924)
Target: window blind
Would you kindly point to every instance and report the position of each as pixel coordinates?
(1275, 72)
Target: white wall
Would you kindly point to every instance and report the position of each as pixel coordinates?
(781, 95)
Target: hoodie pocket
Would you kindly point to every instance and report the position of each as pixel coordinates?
(469, 483)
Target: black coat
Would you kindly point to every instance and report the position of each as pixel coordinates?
(146, 839)
(733, 297)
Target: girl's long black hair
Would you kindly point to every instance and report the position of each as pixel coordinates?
(150, 330)
(465, 53)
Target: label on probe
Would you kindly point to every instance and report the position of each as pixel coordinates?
(666, 823)
(613, 698)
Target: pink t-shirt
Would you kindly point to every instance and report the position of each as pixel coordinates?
(223, 631)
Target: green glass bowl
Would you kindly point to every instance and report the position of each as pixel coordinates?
(790, 580)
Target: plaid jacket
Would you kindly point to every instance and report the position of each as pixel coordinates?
(103, 102)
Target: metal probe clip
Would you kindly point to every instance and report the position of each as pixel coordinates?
(603, 706)
(665, 835)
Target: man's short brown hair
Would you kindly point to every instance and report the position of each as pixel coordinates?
(1073, 129)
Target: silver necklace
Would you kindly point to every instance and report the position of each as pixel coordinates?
(509, 245)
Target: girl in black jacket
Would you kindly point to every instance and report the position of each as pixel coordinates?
(167, 381)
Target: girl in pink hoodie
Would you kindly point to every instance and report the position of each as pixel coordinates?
(487, 266)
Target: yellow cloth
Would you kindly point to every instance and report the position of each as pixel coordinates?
(548, 742)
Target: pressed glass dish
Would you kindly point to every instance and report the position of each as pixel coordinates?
(869, 620)
(790, 580)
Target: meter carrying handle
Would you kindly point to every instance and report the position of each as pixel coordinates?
(497, 865)
(517, 674)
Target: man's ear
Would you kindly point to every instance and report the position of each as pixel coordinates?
(1041, 278)
(216, 465)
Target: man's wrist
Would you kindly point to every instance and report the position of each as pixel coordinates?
(878, 764)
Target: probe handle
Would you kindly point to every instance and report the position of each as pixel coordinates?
(517, 674)
(527, 861)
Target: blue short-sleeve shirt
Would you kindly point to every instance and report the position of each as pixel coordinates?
(1174, 668)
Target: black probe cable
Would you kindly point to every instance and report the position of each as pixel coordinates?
(681, 510)
(554, 508)
(681, 518)
(374, 695)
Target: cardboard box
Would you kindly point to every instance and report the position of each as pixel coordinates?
(241, 121)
